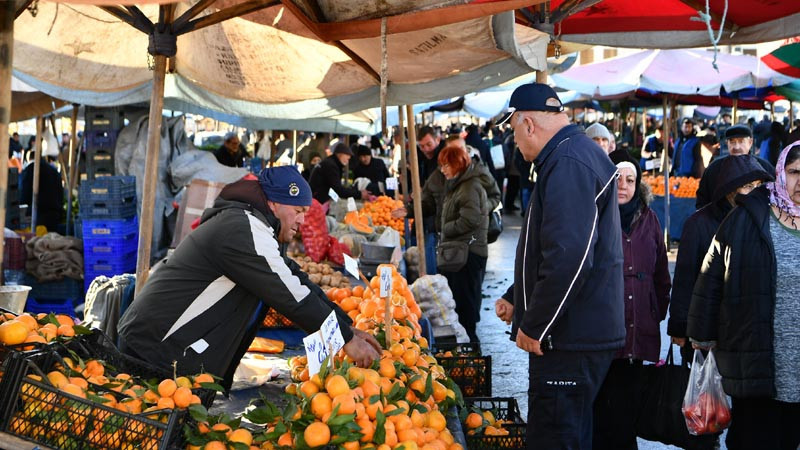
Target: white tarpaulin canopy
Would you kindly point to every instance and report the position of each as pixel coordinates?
(268, 64)
(682, 72)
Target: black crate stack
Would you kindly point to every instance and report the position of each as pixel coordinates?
(100, 138)
(12, 200)
(110, 229)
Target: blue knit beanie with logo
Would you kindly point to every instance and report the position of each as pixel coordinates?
(285, 185)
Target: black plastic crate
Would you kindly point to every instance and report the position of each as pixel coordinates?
(13, 179)
(505, 409)
(36, 411)
(104, 118)
(463, 349)
(473, 374)
(100, 139)
(99, 170)
(100, 156)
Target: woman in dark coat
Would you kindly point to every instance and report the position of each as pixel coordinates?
(745, 306)
(465, 217)
(737, 175)
(647, 285)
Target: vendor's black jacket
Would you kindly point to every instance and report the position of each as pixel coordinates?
(327, 176)
(376, 171)
(734, 298)
(705, 190)
(568, 284)
(50, 200)
(218, 286)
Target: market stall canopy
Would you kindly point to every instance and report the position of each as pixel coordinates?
(785, 59)
(280, 59)
(664, 24)
(27, 102)
(680, 72)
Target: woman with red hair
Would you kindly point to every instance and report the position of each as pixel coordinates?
(465, 218)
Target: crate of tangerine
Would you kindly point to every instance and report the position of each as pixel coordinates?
(465, 364)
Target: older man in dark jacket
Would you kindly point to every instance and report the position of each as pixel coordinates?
(328, 176)
(568, 289)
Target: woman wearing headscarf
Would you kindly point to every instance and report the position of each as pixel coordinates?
(465, 217)
(646, 297)
(737, 175)
(745, 306)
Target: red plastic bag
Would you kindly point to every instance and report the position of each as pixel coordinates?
(337, 250)
(314, 232)
(705, 405)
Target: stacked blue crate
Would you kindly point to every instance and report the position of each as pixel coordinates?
(110, 229)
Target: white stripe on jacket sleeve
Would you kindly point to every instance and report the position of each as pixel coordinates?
(209, 297)
(267, 247)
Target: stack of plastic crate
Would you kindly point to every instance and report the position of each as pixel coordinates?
(12, 200)
(102, 128)
(110, 229)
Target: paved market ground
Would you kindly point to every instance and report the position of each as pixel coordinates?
(510, 364)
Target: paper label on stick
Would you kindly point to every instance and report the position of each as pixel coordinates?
(350, 265)
(391, 184)
(386, 281)
(351, 204)
(650, 164)
(319, 345)
(333, 195)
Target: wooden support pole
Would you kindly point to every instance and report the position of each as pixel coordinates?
(772, 112)
(7, 15)
(150, 173)
(71, 163)
(735, 111)
(416, 189)
(37, 167)
(541, 76)
(294, 147)
(402, 143)
(61, 160)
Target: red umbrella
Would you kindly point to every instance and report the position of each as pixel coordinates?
(785, 59)
(663, 24)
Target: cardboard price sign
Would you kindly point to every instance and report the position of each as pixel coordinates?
(327, 341)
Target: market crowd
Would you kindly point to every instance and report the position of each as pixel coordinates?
(592, 283)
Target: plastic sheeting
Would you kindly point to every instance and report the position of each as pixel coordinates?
(682, 72)
(271, 61)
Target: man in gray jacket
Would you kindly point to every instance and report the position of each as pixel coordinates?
(568, 287)
(202, 308)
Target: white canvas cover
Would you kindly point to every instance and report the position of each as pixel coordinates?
(269, 64)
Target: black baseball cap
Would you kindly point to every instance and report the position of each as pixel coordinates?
(738, 131)
(532, 97)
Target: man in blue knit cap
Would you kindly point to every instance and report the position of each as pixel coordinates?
(202, 307)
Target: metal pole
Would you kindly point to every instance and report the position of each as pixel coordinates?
(416, 190)
(665, 168)
(36, 169)
(150, 173)
(7, 13)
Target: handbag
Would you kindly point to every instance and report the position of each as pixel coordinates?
(451, 256)
(659, 416)
(495, 226)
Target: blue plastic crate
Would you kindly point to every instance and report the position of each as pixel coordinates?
(108, 209)
(111, 245)
(108, 188)
(105, 139)
(52, 306)
(66, 288)
(106, 263)
(96, 228)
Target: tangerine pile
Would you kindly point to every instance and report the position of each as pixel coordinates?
(42, 329)
(396, 403)
(380, 211)
(681, 187)
(68, 422)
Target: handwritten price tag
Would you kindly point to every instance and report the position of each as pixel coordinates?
(333, 195)
(386, 281)
(317, 345)
(391, 184)
(351, 204)
(350, 265)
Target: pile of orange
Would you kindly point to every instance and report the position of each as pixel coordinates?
(43, 328)
(682, 187)
(69, 423)
(396, 403)
(219, 433)
(380, 211)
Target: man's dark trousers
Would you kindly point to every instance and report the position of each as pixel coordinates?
(562, 389)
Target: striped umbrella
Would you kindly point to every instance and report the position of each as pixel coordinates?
(785, 59)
